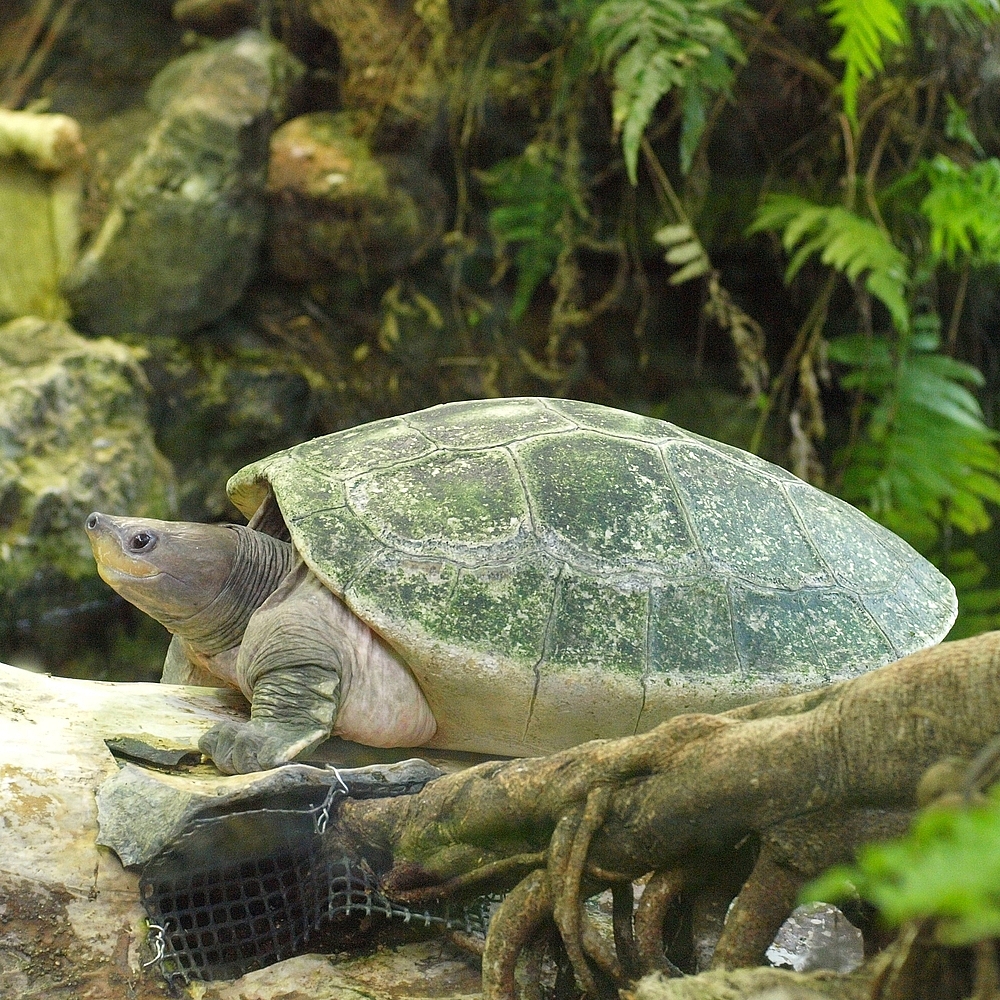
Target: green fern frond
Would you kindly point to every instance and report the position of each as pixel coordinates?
(531, 205)
(868, 25)
(978, 603)
(685, 251)
(656, 46)
(963, 209)
(844, 241)
(926, 457)
(965, 15)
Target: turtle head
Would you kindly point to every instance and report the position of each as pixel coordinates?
(172, 570)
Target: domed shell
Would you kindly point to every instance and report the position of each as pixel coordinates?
(555, 571)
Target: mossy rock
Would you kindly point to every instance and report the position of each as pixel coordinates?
(74, 437)
(180, 240)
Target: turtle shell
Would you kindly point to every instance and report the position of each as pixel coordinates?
(554, 571)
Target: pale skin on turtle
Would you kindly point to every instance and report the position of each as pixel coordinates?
(246, 609)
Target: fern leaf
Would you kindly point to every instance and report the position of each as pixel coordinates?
(926, 457)
(965, 15)
(867, 26)
(963, 209)
(656, 46)
(532, 203)
(844, 241)
(685, 251)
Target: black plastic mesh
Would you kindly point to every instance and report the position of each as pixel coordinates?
(238, 892)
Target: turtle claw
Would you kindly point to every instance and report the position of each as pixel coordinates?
(256, 745)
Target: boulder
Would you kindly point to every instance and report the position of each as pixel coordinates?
(74, 437)
(180, 240)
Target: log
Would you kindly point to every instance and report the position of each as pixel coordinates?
(71, 922)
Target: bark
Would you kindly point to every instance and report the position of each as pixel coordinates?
(700, 783)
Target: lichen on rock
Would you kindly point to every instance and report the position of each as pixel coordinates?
(74, 436)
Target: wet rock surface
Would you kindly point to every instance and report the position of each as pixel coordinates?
(817, 936)
(180, 240)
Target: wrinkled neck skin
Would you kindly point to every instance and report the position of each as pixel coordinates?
(259, 564)
(201, 581)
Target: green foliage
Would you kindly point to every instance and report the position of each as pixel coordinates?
(965, 15)
(657, 46)
(979, 604)
(957, 127)
(868, 25)
(963, 209)
(685, 251)
(886, 155)
(532, 205)
(844, 241)
(926, 457)
(947, 867)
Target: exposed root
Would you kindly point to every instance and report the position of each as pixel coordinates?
(521, 915)
(779, 790)
(651, 913)
(567, 858)
(760, 908)
(623, 902)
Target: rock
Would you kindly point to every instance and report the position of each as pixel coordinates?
(221, 397)
(340, 208)
(817, 936)
(74, 437)
(40, 159)
(181, 237)
(71, 923)
(105, 56)
(140, 811)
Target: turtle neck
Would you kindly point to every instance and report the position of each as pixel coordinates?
(259, 564)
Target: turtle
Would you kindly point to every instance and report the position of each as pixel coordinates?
(514, 576)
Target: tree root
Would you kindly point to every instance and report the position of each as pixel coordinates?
(800, 782)
(521, 915)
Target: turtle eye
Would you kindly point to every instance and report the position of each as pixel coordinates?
(142, 541)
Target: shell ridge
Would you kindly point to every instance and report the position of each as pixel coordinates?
(810, 541)
(890, 556)
(435, 445)
(546, 649)
(534, 523)
(706, 444)
(740, 654)
(662, 450)
(893, 645)
(465, 449)
(547, 405)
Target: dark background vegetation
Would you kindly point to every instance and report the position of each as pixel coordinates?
(777, 224)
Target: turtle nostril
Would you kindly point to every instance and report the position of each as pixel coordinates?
(92, 521)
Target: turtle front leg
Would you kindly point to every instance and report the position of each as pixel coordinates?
(290, 666)
(292, 713)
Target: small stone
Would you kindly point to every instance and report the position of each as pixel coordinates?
(340, 208)
(817, 936)
(180, 240)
